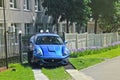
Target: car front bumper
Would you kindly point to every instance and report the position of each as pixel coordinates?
(52, 61)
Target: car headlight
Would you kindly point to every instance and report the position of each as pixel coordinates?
(39, 52)
(66, 52)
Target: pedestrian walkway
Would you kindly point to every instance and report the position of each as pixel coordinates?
(39, 75)
(108, 70)
(76, 75)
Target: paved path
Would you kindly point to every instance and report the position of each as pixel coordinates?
(108, 70)
(39, 75)
(76, 75)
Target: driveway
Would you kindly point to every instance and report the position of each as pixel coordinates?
(108, 70)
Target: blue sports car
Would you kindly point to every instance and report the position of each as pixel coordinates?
(48, 49)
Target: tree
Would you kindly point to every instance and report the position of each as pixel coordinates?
(58, 8)
(54, 9)
(69, 10)
(111, 24)
(81, 12)
(103, 9)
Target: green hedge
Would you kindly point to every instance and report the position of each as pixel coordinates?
(95, 51)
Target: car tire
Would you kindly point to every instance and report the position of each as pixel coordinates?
(66, 62)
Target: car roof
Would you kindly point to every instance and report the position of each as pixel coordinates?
(46, 34)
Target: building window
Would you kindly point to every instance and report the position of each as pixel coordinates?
(26, 5)
(15, 33)
(28, 28)
(1, 3)
(1, 34)
(37, 5)
(13, 4)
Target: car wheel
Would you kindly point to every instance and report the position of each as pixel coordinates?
(65, 62)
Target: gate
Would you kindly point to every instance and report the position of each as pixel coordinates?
(24, 47)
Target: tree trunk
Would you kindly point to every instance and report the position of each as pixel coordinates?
(67, 24)
(57, 28)
(95, 27)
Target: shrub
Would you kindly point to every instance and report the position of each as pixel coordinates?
(92, 51)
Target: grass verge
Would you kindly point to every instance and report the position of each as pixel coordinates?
(89, 60)
(17, 72)
(58, 73)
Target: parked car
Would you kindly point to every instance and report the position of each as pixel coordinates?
(48, 49)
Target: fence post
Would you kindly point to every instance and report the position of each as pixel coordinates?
(101, 40)
(5, 34)
(76, 41)
(94, 38)
(117, 37)
(86, 41)
(63, 33)
(20, 46)
(6, 52)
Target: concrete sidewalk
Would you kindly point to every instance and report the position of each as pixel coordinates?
(76, 75)
(39, 75)
(108, 70)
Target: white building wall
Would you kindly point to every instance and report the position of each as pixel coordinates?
(18, 15)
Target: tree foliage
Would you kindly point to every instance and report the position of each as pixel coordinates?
(69, 10)
(102, 10)
(111, 24)
(81, 11)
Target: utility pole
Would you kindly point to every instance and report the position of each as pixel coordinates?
(5, 35)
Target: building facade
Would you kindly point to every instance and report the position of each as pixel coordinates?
(27, 16)
(20, 14)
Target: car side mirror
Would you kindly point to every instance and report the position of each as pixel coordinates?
(65, 42)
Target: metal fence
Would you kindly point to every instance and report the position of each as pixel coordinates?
(12, 50)
(85, 40)
(17, 46)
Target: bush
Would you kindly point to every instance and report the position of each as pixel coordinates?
(92, 51)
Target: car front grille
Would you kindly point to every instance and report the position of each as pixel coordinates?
(52, 60)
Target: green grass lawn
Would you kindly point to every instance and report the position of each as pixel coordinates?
(89, 60)
(58, 73)
(22, 72)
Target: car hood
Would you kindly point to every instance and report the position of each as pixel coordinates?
(52, 50)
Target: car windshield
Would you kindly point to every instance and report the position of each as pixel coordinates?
(49, 40)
